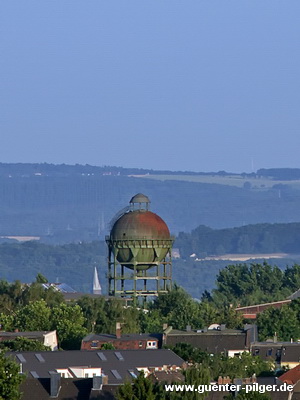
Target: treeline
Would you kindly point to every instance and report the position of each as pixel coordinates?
(249, 239)
(26, 169)
(246, 284)
(284, 174)
(74, 264)
(31, 307)
(34, 308)
(69, 263)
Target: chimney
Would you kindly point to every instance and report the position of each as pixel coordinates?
(165, 326)
(97, 382)
(222, 327)
(275, 337)
(54, 385)
(188, 328)
(118, 330)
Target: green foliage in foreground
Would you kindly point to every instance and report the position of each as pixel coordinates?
(10, 379)
(284, 322)
(178, 309)
(140, 389)
(32, 307)
(218, 364)
(68, 320)
(23, 344)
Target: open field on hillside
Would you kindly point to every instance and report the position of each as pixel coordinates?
(229, 180)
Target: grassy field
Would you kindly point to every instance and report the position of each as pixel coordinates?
(231, 180)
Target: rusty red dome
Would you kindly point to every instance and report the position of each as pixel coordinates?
(140, 224)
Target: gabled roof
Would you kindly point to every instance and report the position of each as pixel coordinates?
(103, 337)
(26, 334)
(292, 376)
(213, 341)
(71, 389)
(289, 351)
(40, 364)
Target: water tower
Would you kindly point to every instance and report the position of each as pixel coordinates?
(139, 252)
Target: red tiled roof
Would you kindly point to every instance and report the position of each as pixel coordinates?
(292, 376)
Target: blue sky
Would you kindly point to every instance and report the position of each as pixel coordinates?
(203, 85)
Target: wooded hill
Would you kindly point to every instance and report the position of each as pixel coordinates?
(74, 263)
(63, 203)
(250, 239)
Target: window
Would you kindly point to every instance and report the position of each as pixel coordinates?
(140, 344)
(94, 344)
(116, 374)
(151, 344)
(101, 356)
(269, 352)
(132, 373)
(256, 352)
(119, 356)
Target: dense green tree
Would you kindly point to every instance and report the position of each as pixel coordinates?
(94, 313)
(68, 320)
(151, 321)
(140, 389)
(249, 284)
(284, 322)
(7, 322)
(40, 278)
(23, 344)
(291, 278)
(219, 364)
(36, 291)
(196, 375)
(34, 317)
(178, 309)
(10, 379)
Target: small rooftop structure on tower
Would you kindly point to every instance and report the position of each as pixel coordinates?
(139, 252)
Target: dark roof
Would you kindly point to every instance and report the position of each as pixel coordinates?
(129, 336)
(290, 352)
(31, 335)
(167, 376)
(294, 295)
(71, 389)
(108, 360)
(213, 341)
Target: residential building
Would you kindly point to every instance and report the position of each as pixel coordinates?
(284, 354)
(122, 342)
(214, 339)
(48, 338)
